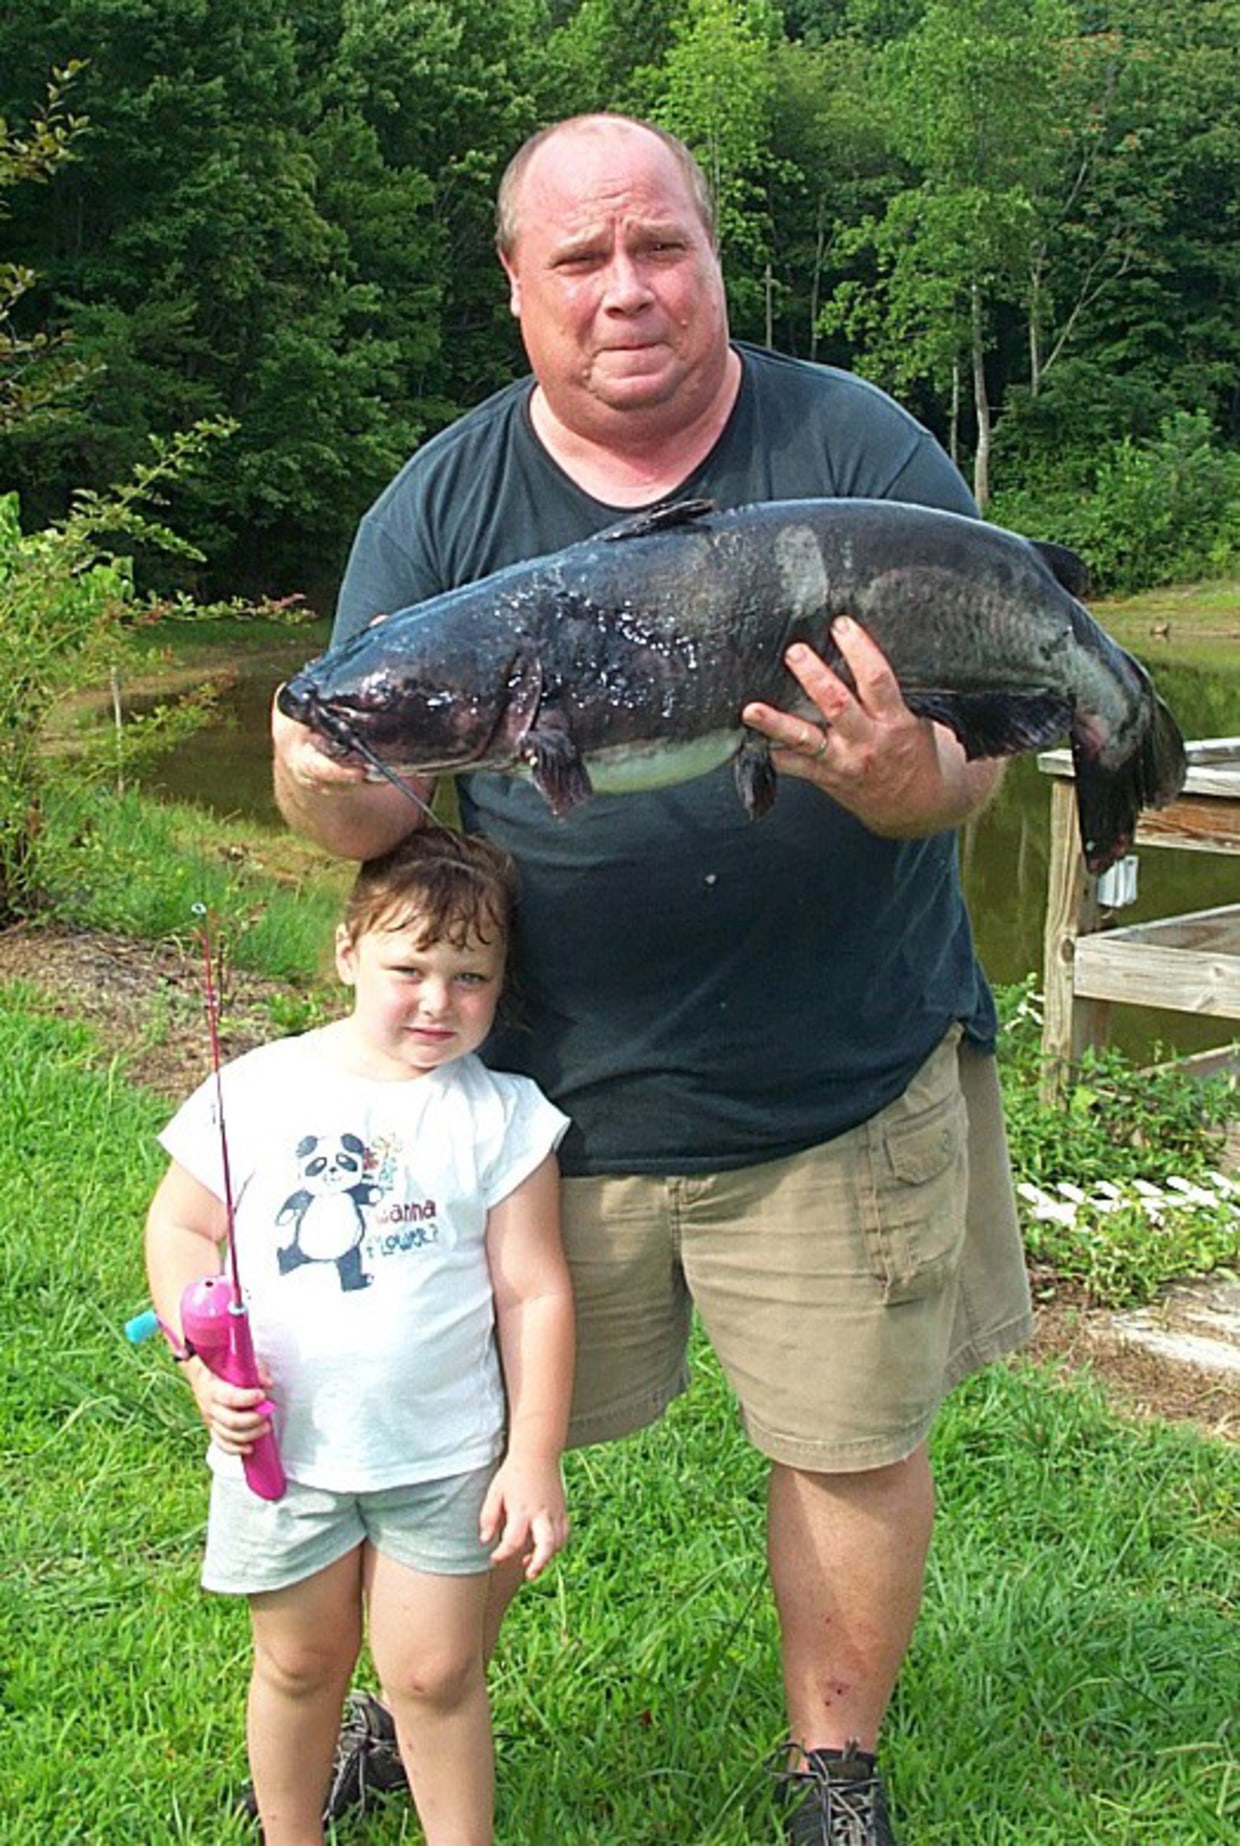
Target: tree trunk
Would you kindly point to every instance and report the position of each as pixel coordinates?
(981, 405)
(953, 431)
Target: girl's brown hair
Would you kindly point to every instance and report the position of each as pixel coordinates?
(453, 885)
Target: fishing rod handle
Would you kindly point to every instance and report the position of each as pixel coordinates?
(216, 1328)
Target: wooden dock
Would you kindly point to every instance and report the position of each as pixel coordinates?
(1187, 963)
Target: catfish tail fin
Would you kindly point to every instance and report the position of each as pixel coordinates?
(1109, 800)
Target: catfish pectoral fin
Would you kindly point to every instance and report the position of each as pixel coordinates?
(756, 781)
(996, 723)
(555, 763)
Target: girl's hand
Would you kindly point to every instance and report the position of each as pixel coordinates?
(230, 1411)
(524, 1514)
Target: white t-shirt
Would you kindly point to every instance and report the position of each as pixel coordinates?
(361, 1210)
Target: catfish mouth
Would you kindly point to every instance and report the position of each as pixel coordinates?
(297, 700)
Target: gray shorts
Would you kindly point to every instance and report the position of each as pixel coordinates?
(255, 1545)
(844, 1289)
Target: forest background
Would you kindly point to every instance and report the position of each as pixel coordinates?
(1018, 215)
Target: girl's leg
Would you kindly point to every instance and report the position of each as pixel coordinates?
(426, 1636)
(306, 1640)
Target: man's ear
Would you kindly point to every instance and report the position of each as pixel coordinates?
(514, 288)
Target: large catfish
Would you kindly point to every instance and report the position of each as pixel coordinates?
(624, 662)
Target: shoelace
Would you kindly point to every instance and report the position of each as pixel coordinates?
(841, 1792)
(357, 1736)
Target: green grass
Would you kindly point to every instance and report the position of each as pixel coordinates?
(138, 866)
(1075, 1677)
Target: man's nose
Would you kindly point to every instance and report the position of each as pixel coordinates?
(627, 288)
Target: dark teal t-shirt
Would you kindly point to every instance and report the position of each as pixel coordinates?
(698, 990)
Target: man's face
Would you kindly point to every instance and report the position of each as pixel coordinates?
(616, 284)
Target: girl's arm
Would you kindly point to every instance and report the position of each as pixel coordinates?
(524, 1513)
(185, 1229)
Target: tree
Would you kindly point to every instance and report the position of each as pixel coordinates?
(975, 108)
(65, 594)
(34, 369)
(193, 261)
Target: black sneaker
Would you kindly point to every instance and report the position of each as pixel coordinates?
(367, 1761)
(837, 1799)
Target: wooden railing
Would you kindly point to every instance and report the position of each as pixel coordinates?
(1187, 963)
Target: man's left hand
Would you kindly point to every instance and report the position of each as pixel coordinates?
(902, 776)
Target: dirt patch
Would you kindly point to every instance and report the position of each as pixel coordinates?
(1071, 1333)
(143, 999)
(145, 1002)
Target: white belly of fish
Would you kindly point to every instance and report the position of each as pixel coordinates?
(629, 768)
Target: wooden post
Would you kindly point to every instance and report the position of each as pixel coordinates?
(1189, 963)
(1071, 909)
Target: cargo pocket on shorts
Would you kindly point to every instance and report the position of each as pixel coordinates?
(919, 1171)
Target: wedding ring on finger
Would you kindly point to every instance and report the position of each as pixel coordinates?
(815, 744)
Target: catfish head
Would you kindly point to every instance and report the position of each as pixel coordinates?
(409, 701)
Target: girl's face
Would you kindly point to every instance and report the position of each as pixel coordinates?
(417, 1005)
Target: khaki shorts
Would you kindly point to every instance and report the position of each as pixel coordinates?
(845, 1290)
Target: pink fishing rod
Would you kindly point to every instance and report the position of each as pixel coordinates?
(215, 1322)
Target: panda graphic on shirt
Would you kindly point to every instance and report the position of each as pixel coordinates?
(326, 1214)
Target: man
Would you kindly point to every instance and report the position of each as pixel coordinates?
(760, 1031)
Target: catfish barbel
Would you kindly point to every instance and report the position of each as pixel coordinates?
(623, 662)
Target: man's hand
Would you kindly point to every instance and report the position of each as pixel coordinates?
(332, 801)
(902, 776)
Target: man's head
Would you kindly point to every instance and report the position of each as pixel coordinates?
(606, 233)
(507, 199)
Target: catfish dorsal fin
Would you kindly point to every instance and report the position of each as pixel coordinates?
(1066, 568)
(659, 519)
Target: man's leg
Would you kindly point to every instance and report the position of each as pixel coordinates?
(847, 1557)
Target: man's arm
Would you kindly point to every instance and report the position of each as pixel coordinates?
(333, 803)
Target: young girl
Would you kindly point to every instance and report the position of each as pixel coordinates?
(396, 1208)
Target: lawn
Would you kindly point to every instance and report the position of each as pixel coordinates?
(1075, 1678)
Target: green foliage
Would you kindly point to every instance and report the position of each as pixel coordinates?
(67, 608)
(1125, 1128)
(35, 370)
(283, 216)
(1142, 512)
(715, 89)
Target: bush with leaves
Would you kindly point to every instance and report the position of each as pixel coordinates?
(68, 610)
(68, 613)
(35, 369)
(1141, 513)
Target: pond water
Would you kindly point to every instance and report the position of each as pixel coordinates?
(1004, 853)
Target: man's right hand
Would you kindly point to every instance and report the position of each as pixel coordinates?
(334, 802)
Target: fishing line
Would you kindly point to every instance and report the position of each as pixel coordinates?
(343, 732)
(213, 1031)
